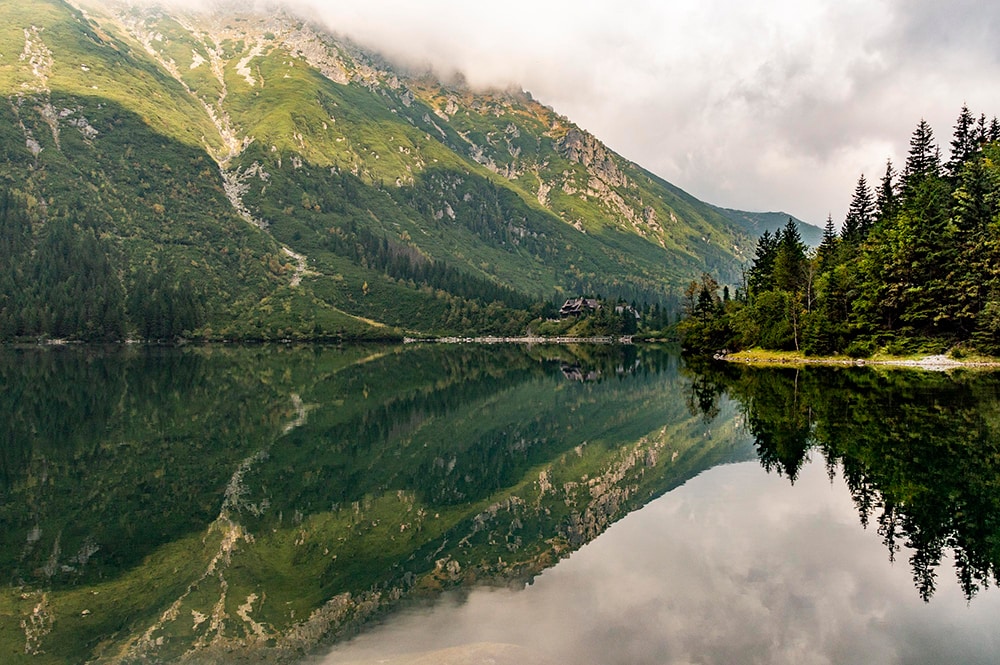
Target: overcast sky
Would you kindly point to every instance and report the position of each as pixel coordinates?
(759, 105)
(753, 104)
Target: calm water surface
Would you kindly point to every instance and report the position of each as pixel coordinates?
(734, 567)
(457, 504)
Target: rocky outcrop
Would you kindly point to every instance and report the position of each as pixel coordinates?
(38, 58)
(580, 147)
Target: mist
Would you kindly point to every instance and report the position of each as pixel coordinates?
(760, 105)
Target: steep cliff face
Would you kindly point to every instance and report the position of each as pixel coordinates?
(367, 194)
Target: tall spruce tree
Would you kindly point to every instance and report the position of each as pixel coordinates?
(886, 198)
(860, 215)
(760, 277)
(964, 144)
(923, 159)
(827, 250)
(982, 130)
(789, 260)
(974, 209)
(925, 244)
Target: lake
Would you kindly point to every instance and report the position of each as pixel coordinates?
(466, 504)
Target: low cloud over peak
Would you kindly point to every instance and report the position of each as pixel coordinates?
(758, 105)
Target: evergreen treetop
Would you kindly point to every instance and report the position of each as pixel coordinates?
(964, 144)
(924, 157)
(886, 199)
(827, 250)
(915, 269)
(861, 213)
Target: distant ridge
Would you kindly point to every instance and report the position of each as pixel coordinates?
(755, 223)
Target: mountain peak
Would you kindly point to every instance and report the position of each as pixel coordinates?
(232, 150)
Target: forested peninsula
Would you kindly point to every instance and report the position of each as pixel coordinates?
(915, 267)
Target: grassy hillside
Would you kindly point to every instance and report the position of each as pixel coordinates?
(248, 176)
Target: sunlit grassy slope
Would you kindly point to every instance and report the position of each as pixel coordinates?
(211, 150)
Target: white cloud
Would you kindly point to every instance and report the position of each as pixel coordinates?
(762, 104)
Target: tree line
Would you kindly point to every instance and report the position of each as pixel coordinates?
(377, 252)
(914, 268)
(61, 281)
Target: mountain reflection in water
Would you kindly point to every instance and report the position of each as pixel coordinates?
(869, 486)
(245, 504)
(253, 504)
(736, 566)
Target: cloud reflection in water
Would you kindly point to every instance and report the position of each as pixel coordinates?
(737, 566)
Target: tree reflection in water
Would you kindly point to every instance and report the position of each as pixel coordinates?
(920, 452)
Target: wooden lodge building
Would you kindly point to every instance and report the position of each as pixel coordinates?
(578, 307)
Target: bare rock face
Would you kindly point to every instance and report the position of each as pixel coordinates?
(582, 148)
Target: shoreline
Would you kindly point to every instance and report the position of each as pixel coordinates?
(624, 339)
(931, 363)
(326, 341)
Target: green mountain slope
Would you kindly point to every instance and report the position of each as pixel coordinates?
(755, 223)
(251, 176)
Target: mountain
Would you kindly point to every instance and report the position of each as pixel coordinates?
(235, 175)
(755, 223)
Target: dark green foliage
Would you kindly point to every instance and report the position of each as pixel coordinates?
(860, 214)
(914, 271)
(61, 282)
(789, 261)
(706, 326)
(98, 224)
(161, 310)
(918, 451)
(886, 198)
(406, 263)
(965, 143)
(827, 250)
(924, 158)
(761, 274)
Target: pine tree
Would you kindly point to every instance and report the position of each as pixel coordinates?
(926, 241)
(975, 207)
(886, 199)
(789, 260)
(827, 250)
(860, 214)
(760, 277)
(923, 160)
(982, 130)
(964, 144)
